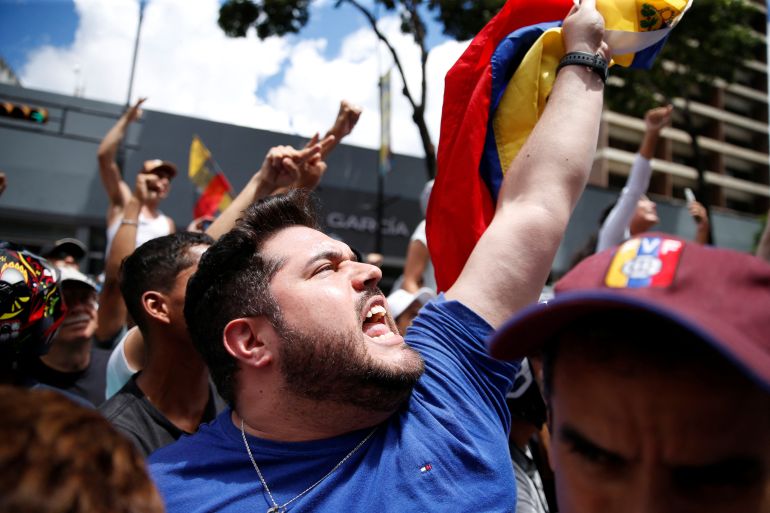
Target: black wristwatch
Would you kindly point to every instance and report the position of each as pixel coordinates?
(594, 62)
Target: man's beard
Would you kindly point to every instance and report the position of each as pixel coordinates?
(334, 366)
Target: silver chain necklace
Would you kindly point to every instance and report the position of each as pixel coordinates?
(276, 508)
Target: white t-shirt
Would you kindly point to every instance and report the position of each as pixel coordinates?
(428, 275)
(148, 229)
(615, 228)
(118, 369)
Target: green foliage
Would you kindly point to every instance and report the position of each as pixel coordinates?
(463, 19)
(269, 17)
(711, 42)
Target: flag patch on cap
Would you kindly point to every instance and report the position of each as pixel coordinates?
(644, 262)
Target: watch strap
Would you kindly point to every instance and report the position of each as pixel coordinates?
(592, 61)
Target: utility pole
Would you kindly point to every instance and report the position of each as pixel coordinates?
(120, 158)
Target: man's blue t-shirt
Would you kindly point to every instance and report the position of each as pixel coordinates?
(445, 450)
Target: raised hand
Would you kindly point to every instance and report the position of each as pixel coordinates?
(658, 118)
(699, 213)
(313, 170)
(147, 188)
(135, 111)
(283, 164)
(583, 30)
(347, 117)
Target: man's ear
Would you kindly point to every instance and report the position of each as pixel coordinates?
(156, 306)
(251, 340)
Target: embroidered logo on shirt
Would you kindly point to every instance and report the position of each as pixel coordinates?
(643, 263)
(426, 468)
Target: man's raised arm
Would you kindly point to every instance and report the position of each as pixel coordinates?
(112, 310)
(117, 190)
(510, 264)
(282, 166)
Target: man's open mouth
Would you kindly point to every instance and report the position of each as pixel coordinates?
(375, 325)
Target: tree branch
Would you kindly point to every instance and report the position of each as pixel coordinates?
(418, 31)
(373, 22)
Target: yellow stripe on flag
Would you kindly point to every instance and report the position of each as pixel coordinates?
(225, 201)
(615, 276)
(524, 98)
(199, 155)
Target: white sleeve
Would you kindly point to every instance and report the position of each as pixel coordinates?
(118, 369)
(613, 230)
(419, 234)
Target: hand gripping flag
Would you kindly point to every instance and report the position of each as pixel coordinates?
(214, 189)
(495, 94)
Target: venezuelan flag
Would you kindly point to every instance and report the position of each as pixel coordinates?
(644, 262)
(501, 83)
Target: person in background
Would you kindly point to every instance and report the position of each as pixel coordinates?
(57, 457)
(656, 365)
(31, 310)
(151, 409)
(528, 415)
(150, 222)
(75, 361)
(66, 252)
(634, 212)
(282, 166)
(418, 268)
(3, 183)
(404, 306)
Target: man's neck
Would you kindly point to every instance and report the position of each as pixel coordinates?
(295, 419)
(150, 209)
(176, 382)
(72, 356)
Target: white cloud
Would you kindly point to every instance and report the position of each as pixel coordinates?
(188, 66)
(314, 85)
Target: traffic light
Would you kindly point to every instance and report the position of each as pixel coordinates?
(22, 111)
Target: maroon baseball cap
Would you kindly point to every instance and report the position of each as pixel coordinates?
(720, 295)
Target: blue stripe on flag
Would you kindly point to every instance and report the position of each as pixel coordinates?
(505, 61)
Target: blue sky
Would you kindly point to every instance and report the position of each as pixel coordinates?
(25, 25)
(291, 84)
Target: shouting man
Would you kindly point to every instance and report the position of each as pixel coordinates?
(331, 410)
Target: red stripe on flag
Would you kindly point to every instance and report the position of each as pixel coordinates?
(461, 207)
(208, 203)
(669, 253)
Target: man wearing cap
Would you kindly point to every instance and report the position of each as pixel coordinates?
(74, 363)
(657, 377)
(151, 222)
(66, 252)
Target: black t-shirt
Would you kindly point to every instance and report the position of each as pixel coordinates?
(131, 412)
(90, 383)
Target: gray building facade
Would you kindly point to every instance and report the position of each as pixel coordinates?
(54, 188)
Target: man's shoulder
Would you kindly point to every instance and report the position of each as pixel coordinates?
(125, 402)
(449, 319)
(210, 435)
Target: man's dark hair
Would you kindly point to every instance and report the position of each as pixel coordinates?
(154, 266)
(233, 280)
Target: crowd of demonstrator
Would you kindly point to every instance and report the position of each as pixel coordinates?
(257, 366)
